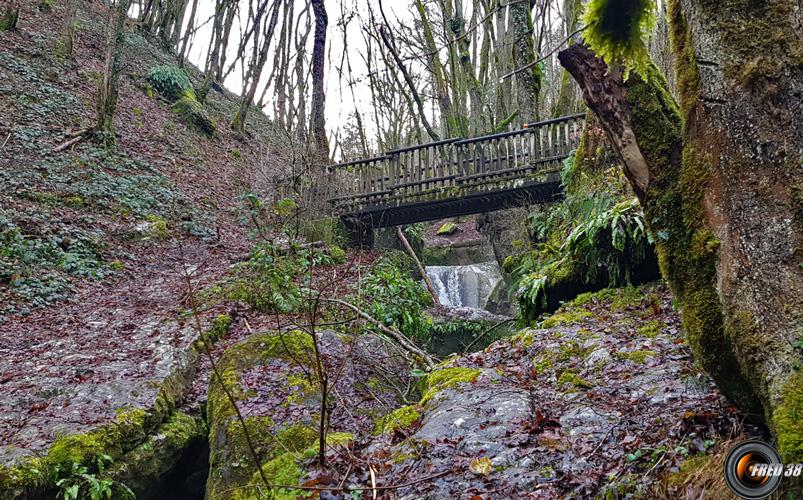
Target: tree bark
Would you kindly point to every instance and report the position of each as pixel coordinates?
(528, 82)
(318, 92)
(108, 88)
(722, 192)
(64, 45)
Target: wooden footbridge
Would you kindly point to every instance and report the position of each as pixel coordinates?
(453, 177)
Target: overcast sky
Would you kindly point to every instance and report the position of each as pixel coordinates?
(339, 102)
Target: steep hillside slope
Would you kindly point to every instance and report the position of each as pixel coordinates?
(94, 244)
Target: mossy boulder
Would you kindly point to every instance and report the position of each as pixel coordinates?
(147, 469)
(194, 115)
(231, 465)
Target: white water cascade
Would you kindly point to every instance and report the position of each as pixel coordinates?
(465, 286)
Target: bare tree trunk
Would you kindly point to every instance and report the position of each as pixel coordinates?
(64, 45)
(108, 88)
(410, 83)
(189, 33)
(252, 77)
(318, 92)
(722, 191)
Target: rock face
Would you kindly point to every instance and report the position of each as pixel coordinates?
(272, 378)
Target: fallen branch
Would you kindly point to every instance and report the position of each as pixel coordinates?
(75, 138)
(391, 332)
(421, 270)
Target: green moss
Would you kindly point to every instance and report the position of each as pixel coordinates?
(787, 418)
(638, 357)
(329, 230)
(219, 328)
(616, 31)
(650, 329)
(230, 461)
(566, 317)
(543, 364)
(399, 419)
(572, 351)
(689, 467)
(125, 432)
(157, 228)
(439, 380)
(572, 378)
(524, 338)
(193, 114)
(142, 468)
(674, 213)
(8, 21)
(619, 299)
(447, 228)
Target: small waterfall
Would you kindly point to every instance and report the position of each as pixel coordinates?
(465, 286)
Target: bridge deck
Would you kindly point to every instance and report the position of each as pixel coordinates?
(455, 176)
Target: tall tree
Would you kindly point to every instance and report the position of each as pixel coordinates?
(721, 183)
(64, 45)
(108, 88)
(259, 56)
(528, 81)
(318, 92)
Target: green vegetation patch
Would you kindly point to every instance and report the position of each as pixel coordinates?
(566, 317)
(171, 82)
(787, 418)
(446, 378)
(193, 114)
(637, 357)
(572, 378)
(399, 419)
(447, 229)
(650, 329)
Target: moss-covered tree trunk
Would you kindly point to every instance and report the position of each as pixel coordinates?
(528, 82)
(722, 189)
(64, 45)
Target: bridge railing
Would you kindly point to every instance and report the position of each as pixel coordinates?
(410, 171)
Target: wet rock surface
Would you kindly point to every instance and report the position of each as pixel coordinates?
(606, 395)
(70, 370)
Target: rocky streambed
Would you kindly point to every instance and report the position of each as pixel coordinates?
(602, 397)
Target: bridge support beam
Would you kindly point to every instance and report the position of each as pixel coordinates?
(360, 233)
